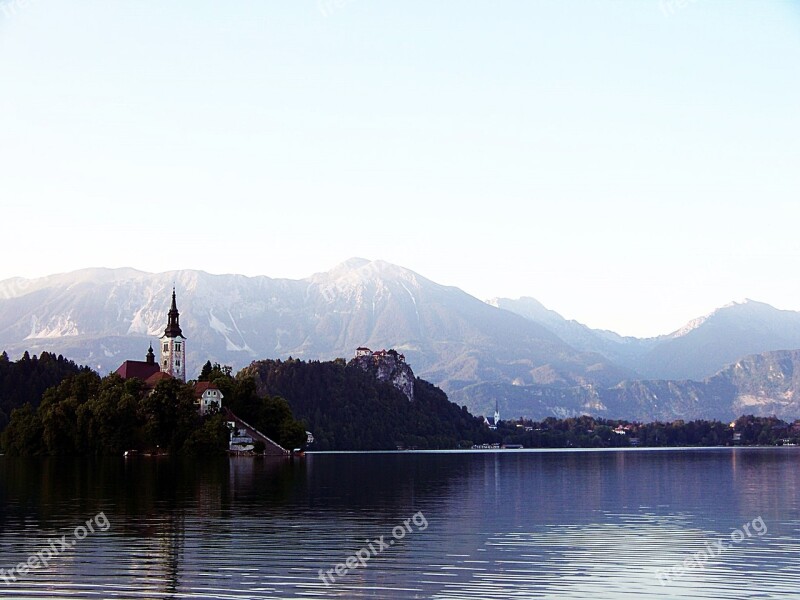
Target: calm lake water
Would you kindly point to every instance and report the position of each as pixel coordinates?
(607, 524)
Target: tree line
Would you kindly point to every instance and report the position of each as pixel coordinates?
(25, 380)
(50, 405)
(85, 414)
(591, 432)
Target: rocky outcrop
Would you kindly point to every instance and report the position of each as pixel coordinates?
(389, 366)
(763, 385)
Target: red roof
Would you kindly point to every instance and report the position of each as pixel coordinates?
(137, 368)
(201, 386)
(153, 380)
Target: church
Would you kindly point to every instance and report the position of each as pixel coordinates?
(172, 364)
(173, 354)
(208, 397)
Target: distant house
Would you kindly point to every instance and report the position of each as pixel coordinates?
(207, 396)
(244, 437)
(363, 352)
(239, 441)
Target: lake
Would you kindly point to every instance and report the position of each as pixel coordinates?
(638, 523)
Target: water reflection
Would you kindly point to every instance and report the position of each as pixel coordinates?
(501, 524)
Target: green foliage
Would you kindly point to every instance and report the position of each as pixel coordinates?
(25, 381)
(108, 420)
(589, 432)
(346, 408)
(23, 436)
(205, 372)
(169, 414)
(87, 415)
(82, 414)
(210, 439)
(272, 416)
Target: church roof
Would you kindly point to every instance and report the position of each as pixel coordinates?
(153, 380)
(137, 368)
(173, 329)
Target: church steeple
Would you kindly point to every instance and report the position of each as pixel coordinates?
(151, 357)
(173, 329)
(173, 344)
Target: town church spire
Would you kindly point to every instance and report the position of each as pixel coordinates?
(173, 344)
(173, 329)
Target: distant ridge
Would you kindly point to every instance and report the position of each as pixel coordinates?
(695, 351)
(511, 351)
(98, 316)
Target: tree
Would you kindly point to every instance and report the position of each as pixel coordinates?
(85, 414)
(110, 422)
(291, 434)
(205, 373)
(210, 439)
(23, 436)
(25, 381)
(169, 414)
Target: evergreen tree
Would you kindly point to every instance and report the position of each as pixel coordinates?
(205, 373)
(23, 436)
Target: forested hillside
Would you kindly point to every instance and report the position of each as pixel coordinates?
(25, 380)
(347, 408)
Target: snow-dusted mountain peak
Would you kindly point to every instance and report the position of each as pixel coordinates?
(747, 308)
(357, 271)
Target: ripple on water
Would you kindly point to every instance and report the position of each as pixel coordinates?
(516, 526)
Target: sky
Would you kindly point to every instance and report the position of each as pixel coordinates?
(630, 164)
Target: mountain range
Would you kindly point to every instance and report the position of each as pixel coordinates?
(516, 352)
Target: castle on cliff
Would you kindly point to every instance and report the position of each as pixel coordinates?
(387, 365)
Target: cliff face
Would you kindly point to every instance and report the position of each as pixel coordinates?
(763, 385)
(388, 365)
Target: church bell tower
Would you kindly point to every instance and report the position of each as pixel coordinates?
(173, 345)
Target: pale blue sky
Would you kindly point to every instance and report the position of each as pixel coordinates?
(631, 164)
